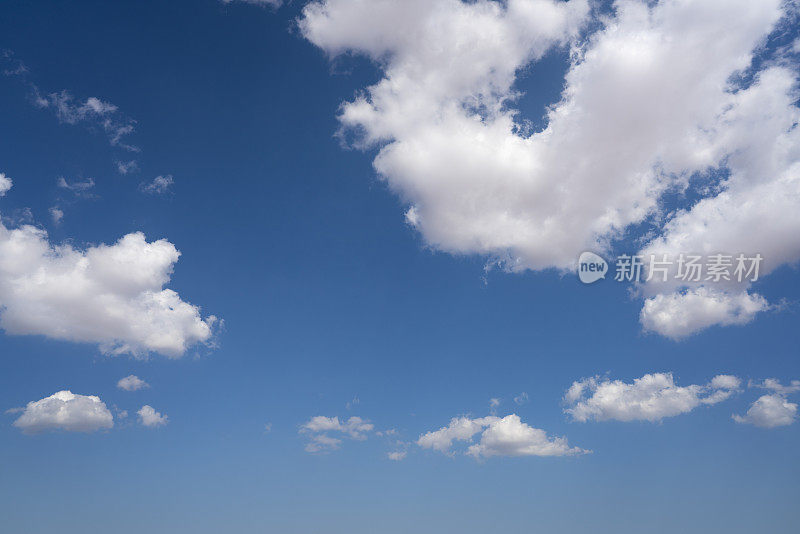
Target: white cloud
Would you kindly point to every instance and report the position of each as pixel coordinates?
(132, 383)
(65, 411)
(15, 67)
(151, 418)
(93, 111)
(354, 402)
(57, 214)
(507, 436)
(655, 86)
(772, 410)
(459, 429)
(678, 315)
(319, 427)
(769, 411)
(127, 167)
(649, 398)
(5, 184)
(112, 295)
(80, 188)
(774, 385)
(159, 185)
(397, 456)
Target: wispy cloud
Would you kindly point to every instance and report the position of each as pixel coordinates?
(158, 186)
(127, 167)
(326, 433)
(80, 188)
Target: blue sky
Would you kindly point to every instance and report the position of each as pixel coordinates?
(378, 223)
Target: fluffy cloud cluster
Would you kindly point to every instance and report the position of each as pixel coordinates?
(774, 409)
(65, 411)
(149, 417)
(506, 436)
(649, 398)
(319, 428)
(112, 295)
(658, 96)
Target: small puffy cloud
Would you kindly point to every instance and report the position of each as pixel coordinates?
(158, 186)
(507, 436)
(65, 411)
(151, 418)
(769, 411)
(725, 382)
(521, 399)
(5, 184)
(319, 428)
(132, 383)
(649, 398)
(112, 295)
(678, 315)
(397, 456)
